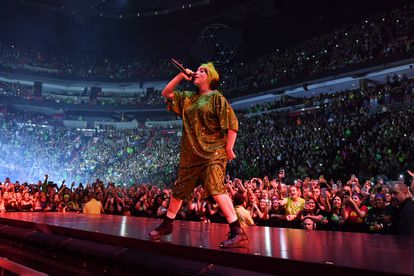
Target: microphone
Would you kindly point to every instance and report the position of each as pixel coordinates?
(180, 67)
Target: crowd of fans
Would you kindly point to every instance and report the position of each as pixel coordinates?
(384, 35)
(122, 156)
(368, 133)
(339, 152)
(309, 203)
(16, 89)
(29, 59)
(26, 91)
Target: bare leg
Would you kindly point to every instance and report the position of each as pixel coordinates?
(174, 207)
(226, 206)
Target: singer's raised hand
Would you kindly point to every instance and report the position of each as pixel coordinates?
(168, 91)
(188, 74)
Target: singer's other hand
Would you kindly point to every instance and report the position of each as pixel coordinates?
(230, 154)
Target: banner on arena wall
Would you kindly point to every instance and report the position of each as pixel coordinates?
(40, 69)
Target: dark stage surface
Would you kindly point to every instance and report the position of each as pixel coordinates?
(269, 250)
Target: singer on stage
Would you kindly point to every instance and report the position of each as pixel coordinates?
(209, 133)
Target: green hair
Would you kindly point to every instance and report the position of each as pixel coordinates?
(213, 75)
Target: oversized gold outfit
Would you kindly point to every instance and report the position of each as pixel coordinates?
(206, 120)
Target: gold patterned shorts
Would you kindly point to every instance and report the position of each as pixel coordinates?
(210, 176)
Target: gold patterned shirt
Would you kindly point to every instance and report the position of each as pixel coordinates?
(206, 120)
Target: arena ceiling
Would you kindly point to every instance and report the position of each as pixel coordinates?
(86, 10)
(170, 27)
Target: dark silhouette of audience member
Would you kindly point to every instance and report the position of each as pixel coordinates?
(403, 222)
(378, 219)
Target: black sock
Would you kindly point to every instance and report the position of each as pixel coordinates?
(235, 227)
(168, 220)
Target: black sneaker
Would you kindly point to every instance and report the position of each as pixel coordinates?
(244, 233)
(165, 228)
(234, 240)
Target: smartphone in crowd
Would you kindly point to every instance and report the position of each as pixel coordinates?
(323, 192)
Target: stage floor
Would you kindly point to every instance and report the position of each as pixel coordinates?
(286, 250)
